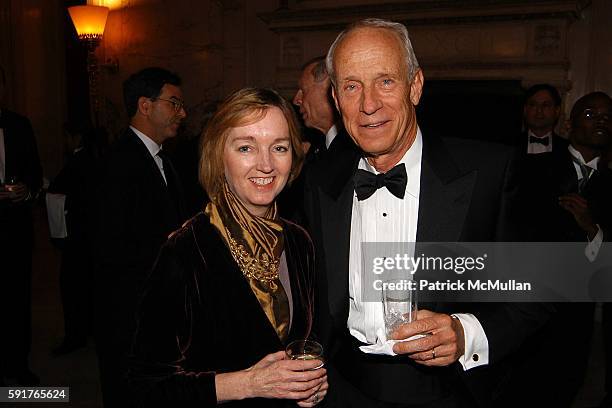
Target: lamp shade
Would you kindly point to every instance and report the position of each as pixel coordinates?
(89, 21)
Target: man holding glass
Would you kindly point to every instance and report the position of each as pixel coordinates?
(20, 180)
(397, 185)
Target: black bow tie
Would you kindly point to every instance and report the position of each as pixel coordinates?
(367, 183)
(541, 140)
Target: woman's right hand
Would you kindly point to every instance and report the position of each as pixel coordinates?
(275, 376)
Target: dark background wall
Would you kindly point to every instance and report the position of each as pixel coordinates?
(476, 55)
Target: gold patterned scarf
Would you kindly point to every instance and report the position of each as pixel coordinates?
(256, 244)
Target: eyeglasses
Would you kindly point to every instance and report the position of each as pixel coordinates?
(176, 103)
(591, 114)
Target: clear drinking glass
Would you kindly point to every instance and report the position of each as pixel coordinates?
(399, 300)
(305, 350)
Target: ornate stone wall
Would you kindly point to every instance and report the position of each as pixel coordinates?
(221, 45)
(32, 54)
(216, 47)
(470, 39)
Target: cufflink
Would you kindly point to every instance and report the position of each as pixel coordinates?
(475, 357)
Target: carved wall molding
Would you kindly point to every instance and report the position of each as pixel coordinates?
(522, 40)
(424, 13)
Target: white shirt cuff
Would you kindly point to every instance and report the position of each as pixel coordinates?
(476, 351)
(592, 248)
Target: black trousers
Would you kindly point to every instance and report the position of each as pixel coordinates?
(357, 379)
(15, 291)
(112, 363)
(76, 286)
(607, 336)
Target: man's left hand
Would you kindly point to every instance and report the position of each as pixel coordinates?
(442, 345)
(18, 192)
(579, 207)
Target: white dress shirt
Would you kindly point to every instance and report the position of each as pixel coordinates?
(383, 217)
(592, 248)
(537, 148)
(153, 149)
(330, 135)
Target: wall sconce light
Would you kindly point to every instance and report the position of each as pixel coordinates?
(89, 22)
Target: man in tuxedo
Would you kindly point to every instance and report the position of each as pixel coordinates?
(587, 207)
(397, 185)
(20, 180)
(140, 204)
(541, 113)
(315, 103)
(567, 198)
(314, 100)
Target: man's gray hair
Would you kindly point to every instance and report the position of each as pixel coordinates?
(319, 70)
(398, 29)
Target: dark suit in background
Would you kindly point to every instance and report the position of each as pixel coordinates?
(137, 211)
(291, 200)
(541, 374)
(77, 181)
(16, 240)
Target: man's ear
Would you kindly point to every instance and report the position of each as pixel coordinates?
(144, 105)
(416, 87)
(333, 92)
(557, 112)
(568, 126)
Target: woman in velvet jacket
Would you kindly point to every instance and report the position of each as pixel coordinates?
(234, 285)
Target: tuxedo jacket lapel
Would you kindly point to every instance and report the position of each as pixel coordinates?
(335, 208)
(445, 194)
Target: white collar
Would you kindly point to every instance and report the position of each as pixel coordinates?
(412, 160)
(578, 156)
(546, 136)
(151, 145)
(330, 135)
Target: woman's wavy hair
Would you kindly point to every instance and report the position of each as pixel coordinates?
(242, 108)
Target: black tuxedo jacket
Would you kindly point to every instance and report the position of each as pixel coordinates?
(548, 380)
(291, 200)
(22, 162)
(136, 213)
(547, 176)
(466, 195)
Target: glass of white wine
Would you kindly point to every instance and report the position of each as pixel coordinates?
(305, 350)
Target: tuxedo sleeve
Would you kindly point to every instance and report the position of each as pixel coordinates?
(508, 325)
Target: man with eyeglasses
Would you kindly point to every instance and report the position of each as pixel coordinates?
(568, 198)
(140, 204)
